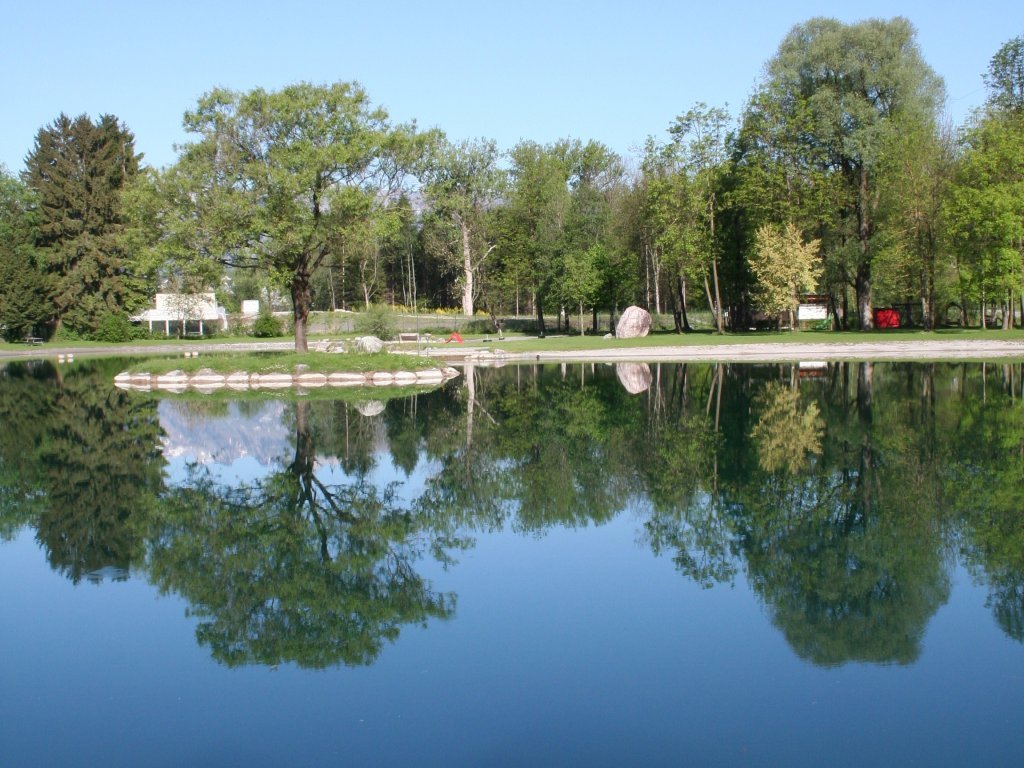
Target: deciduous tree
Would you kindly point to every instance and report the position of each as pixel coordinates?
(462, 182)
(275, 178)
(24, 294)
(839, 90)
(783, 266)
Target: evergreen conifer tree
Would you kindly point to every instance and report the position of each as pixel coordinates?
(77, 169)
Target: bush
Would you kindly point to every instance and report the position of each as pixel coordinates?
(114, 329)
(266, 326)
(377, 321)
(65, 332)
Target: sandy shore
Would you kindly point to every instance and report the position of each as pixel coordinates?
(951, 349)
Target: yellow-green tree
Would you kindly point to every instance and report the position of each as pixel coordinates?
(783, 266)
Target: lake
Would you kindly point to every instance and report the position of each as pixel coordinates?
(600, 565)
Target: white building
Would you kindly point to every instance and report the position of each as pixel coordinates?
(184, 311)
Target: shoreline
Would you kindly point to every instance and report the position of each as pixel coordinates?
(783, 351)
(930, 350)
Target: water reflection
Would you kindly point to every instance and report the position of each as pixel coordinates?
(844, 498)
(81, 463)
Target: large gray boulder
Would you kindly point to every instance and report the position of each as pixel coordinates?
(633, 323)
(369, 345)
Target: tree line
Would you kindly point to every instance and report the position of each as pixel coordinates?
(839, 177)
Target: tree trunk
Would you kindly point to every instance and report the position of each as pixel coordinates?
(467, 271)
(862, 287)
(719, 320)
(657, 289)
(538, 302)
(301, 299)
(928, 301)
(681, 286)
(711, 299)
(863, 279)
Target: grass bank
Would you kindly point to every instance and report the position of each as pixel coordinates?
(284, 362)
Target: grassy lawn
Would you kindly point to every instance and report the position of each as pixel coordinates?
(284, 362)
(155, 343)
(352, 395)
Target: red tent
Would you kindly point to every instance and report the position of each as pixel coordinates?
(887, 318)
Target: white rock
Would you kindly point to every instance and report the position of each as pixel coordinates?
(429, 376)
(346, 380)
(635, 322)
(370, 345)
(276, 380)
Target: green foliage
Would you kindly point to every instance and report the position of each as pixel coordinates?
(266, 326)
(833, 97)
(77, 170)
(278, 180)
(114, 328)
(985, 207)
(461, 182)
(24, 289)
(783, 266)
(377, 320)
(1005, 77)
(67, 333)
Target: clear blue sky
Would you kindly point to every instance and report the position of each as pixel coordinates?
(611, 71)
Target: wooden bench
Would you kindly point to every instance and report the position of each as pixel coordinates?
(33, 340)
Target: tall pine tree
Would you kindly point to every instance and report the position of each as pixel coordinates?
(77, 169)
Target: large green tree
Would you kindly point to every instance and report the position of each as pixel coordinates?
(277, 179)
(985, 206)
(533, 219)
(699, 142)
(77, 169)
(462, 182)
(836, 92)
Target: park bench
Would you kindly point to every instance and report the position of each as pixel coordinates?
(408, 337)
(33, 340)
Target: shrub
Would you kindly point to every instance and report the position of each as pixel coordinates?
(113, 328)
(377, 321)
(266, 326)
(65, 332)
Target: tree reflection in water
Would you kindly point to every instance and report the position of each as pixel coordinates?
(291, 568)
(845, 500)
(88, 462)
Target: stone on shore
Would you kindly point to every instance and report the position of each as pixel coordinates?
(369, 345)
(634, 323)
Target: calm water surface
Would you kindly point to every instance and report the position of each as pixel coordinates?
(561, 565)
